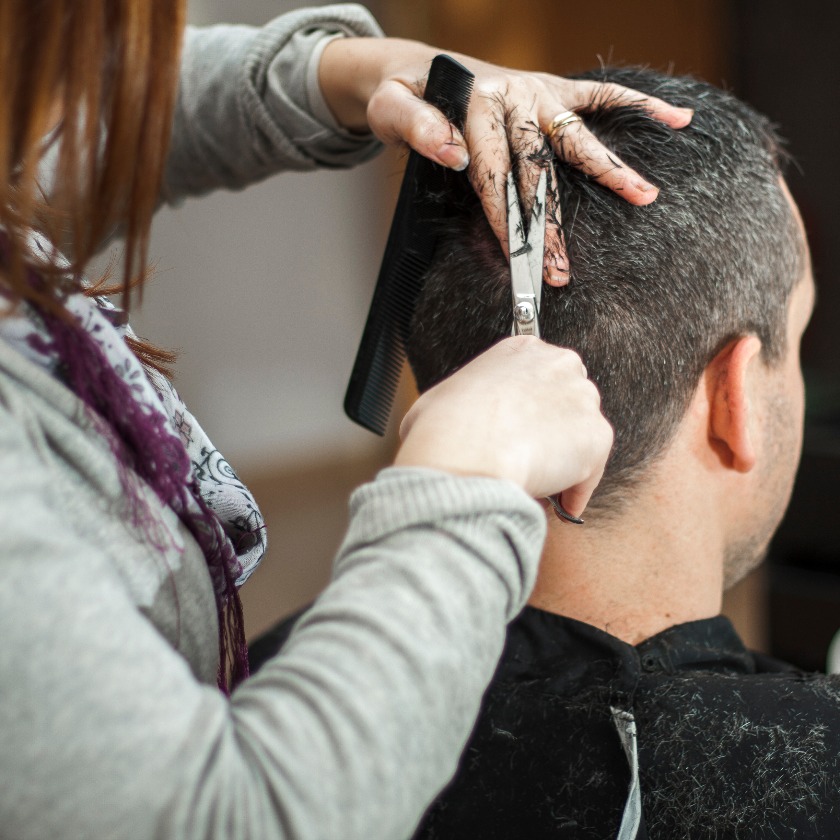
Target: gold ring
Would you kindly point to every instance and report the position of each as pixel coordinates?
(561, 121)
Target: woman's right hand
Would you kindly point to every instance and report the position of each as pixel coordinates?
(522, 411)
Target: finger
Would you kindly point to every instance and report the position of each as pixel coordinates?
(577, 146)
(532, 158)
(575, 499)
(495, 134)
(556, 256)
(490, 162)
(397, 115)
(583, 93)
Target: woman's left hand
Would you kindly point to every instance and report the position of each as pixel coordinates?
(377, 85)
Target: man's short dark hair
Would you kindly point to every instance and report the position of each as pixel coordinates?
(655, 292)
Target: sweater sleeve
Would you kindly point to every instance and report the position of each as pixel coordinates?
(348, 733)
(249, 104)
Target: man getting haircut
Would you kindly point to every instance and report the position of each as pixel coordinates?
(624, 703)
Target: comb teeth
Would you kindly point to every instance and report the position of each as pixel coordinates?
(408, 254)
(376, 374)
(451, 93)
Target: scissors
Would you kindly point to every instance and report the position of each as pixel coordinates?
(527, 250)
(526, 258)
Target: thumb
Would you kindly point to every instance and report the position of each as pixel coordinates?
(397, 115)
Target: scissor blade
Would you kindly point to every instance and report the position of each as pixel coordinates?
(522, 286)
(516, 227)
(536, 238)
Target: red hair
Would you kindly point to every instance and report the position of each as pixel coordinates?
(106, 72)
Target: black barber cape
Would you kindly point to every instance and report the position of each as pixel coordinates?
(731, 744)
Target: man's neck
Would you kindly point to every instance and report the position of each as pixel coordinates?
(635, 574)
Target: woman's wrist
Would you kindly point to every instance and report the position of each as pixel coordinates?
(352, 68)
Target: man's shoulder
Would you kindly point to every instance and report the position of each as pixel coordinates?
(727, 739)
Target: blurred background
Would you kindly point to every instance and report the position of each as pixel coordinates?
(265, 293)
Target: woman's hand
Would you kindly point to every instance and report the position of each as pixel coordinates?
(523, 411)
(378, 84)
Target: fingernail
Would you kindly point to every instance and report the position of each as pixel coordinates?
(557, 269)
(455, 157)
(686, 115)
(643, 186)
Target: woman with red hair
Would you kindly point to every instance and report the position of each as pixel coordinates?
(125, 534)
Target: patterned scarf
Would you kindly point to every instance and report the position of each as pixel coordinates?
(154, 437)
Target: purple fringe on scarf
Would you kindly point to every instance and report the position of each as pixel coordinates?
(142, 443)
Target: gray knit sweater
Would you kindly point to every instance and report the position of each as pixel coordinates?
(111, 725)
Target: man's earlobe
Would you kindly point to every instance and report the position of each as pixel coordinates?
(731, 382)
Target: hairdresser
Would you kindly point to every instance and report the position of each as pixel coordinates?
(124, 532)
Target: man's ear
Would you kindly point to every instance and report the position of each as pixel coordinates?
(731, 381)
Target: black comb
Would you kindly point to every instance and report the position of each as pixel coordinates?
(408, 254)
